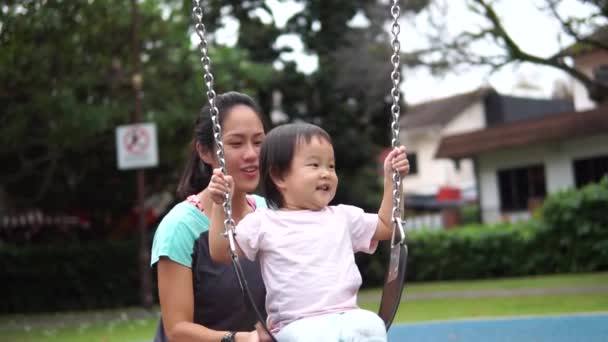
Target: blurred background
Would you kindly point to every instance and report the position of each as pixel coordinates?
(502, 113)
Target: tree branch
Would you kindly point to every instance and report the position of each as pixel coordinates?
(568, 28)
(516, 53)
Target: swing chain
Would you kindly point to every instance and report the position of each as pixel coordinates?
(199, 27)
(395, 111)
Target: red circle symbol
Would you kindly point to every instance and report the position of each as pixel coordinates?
(136, 140)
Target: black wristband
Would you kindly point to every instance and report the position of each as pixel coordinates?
(229, 337)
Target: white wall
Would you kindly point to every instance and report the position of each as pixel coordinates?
(471, 119)
(582, 101)
(431, 173)
(557, 157)
(434, 173)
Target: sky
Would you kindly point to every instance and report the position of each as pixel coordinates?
(533, 30)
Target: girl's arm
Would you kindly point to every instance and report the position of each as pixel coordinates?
(219, 248)
(177, 306)
(395, 160)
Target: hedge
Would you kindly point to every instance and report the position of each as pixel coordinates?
(570, 234)
(94, 275)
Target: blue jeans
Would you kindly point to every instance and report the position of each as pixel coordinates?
(348, 326)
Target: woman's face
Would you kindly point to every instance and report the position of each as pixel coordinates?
(243, 134)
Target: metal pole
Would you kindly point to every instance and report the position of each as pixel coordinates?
(144, 253)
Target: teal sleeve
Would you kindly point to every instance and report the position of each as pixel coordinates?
(177, 233)
(260, 202)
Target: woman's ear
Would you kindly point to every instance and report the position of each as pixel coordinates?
(205, 155)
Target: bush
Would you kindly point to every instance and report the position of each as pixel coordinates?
(578, 228)
(471, 252)
(570, 234)
(100, 274)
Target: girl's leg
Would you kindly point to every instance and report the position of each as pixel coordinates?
(362, 325)
(312, 329)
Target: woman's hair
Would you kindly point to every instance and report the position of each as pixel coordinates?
(197, 173)
(277, 154)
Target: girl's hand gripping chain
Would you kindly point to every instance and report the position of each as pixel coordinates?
(219, 185)
(396, 160)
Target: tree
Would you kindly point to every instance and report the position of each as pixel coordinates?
(347, 94)
(445, 53)
(66, 84)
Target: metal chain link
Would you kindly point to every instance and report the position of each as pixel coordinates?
(199, 27)
(395, 111)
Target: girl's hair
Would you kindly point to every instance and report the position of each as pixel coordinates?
(277, 154)
(197, 174)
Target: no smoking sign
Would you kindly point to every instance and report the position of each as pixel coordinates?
(136, 146)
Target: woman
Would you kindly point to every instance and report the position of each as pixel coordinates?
(201, 300)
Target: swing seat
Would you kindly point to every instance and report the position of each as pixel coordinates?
(393, 284)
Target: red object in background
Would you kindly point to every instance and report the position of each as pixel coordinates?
(447, 193)
(451, 215)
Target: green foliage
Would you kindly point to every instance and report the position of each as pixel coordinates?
(347, 94)
(68, 277)
(66, 84)
(470, 214)
(579, 227)
(472, 252)
(570, 236)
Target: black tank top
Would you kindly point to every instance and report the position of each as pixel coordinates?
(218, 300)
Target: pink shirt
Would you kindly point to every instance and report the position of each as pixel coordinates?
(307, 258)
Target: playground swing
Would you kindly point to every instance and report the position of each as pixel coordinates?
(395, 273)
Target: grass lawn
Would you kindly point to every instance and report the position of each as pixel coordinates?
(124, 325)
(128, 331)
(550, 282)
(451, 308)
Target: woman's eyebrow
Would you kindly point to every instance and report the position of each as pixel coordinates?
(242, 135)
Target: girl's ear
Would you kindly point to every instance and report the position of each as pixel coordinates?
(277, 179)
(207, 156)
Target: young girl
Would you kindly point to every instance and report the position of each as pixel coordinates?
(306, 247)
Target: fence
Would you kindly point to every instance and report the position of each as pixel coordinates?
(431, 221)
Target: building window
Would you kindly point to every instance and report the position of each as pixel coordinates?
(518, 187)
(590, 170)
(413, 159)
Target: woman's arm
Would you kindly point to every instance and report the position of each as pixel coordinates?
(177, 306)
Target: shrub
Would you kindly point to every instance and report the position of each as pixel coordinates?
(101, 274)
(569, 234)
(578, 228)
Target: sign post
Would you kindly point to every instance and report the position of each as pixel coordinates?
(136, 146)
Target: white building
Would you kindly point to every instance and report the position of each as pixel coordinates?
(520, 162)
(424, 126)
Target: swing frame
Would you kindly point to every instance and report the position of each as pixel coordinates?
(395, 274)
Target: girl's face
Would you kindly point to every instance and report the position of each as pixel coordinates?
(311, 182)
(243, 134)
